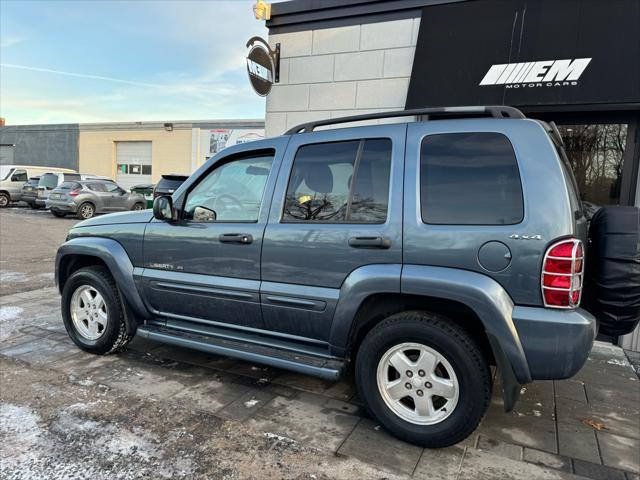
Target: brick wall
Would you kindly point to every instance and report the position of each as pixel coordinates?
(341, 71)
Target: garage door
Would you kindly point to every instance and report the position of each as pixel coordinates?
(6, 154)
(133, 161)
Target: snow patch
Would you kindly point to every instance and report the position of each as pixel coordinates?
(280, 438)
(251, 403)
(86, 382)
(17, 277)
(615, 361)
(10, 313)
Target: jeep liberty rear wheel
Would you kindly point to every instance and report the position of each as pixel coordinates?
(92, 311)
(423, 378)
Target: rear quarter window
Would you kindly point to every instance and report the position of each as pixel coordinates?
(469, 179)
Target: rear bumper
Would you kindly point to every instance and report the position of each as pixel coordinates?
(62, 206)
(556, 343)
(30, 199)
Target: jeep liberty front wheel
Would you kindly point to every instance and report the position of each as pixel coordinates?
(92, 311)
(423, 378)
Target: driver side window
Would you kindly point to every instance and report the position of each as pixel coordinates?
(19, 176)
(232, 192)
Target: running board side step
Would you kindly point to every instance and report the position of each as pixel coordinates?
(326, 368)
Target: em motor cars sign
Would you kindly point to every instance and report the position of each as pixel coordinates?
(549, 73)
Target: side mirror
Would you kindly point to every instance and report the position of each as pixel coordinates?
(163, 208)
(203, 214)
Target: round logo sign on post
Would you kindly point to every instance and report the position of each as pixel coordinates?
(263, 65)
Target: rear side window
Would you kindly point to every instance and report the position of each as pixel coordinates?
(96, 187)
(70, 186)
(340, 182)
(469, 179)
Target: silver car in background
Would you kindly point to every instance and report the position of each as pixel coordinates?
(85, 198)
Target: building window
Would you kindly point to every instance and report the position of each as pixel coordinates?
(596, 155)
(469, 179)
(340, 182)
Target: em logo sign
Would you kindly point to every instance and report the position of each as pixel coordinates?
(263, 65)
(549, 73)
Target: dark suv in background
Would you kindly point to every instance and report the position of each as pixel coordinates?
(30, 192)
(168, 184)
(416, 255)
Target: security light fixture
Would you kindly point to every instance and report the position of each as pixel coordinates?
(168, 127)
(262, 10)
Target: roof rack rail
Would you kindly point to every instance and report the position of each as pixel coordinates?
(495, 111)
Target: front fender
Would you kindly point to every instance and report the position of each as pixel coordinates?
(485, 297)
(116, 259)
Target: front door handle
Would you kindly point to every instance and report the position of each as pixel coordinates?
(235, 238)
(369, 242)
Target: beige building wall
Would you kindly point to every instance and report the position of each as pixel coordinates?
(171, 152)
(341, 71)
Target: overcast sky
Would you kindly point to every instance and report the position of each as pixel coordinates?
(69, 61)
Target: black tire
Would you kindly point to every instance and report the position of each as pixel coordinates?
(114, 337)
(86, 210)
(138, 207)
(5, 199)
(453, 343)
(58, 214)
(34, 206)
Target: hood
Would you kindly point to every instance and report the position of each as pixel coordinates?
(143, 216)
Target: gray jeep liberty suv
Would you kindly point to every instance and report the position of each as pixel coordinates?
(414, 254)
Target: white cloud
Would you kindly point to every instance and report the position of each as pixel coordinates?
(210, 82)
(9, 41)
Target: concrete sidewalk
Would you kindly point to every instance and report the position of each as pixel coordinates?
(588, 426)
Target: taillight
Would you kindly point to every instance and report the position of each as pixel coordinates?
(562, 272)
(74, 193)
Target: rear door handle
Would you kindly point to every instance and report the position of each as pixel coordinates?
(369, 242)
(235, 238)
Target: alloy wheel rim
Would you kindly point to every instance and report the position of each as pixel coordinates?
(89, 312)
(87, 211)
(417, 383)
(4, 201)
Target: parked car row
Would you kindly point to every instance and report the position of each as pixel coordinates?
(64, 191)
(13, 178)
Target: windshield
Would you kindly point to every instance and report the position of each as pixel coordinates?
(5, 170)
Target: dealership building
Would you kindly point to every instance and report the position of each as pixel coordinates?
(574, 62)
(132, 153)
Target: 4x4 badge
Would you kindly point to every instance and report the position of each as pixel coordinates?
(515, 236)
